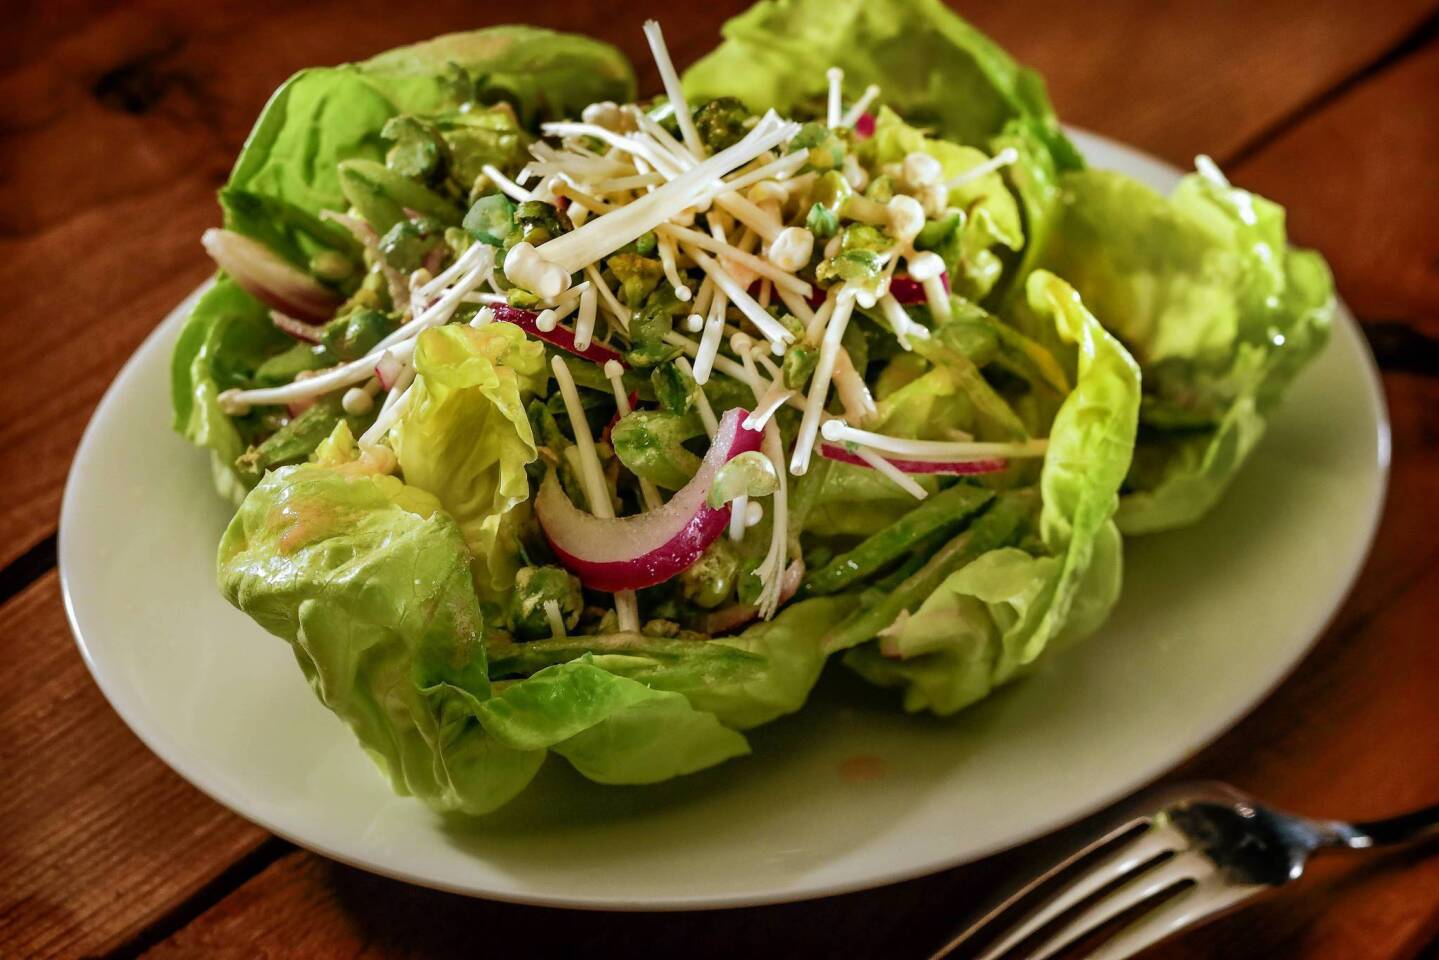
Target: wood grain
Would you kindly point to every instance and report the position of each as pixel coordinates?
(1182, 78)
(117, 122)
(99, 838)
(1360, 181)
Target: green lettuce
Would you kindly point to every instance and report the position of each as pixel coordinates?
(465, 437)
(931, 66)
(995, 615)
(858, 501)
(288, 172)
(793, 657)
(225, 340)
(369, 581)
(745, 680)
(1218, 309)
(991, 215)
(610, 728)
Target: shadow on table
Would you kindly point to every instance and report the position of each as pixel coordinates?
(905, 920)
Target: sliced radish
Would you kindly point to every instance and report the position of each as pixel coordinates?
(628, 553)
(908, 290)
(269, 279)
(559, 336)
(299, 329)
(953, 468)
(388, 369)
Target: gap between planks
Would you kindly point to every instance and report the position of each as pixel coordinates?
(27, 568)
(1417, 39)
(199, 903)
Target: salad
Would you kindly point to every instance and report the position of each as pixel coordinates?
(561, 420)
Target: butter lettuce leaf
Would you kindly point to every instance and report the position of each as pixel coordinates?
(991, 214)
(611, 728)
(992, 618)
(745, 680)
(369, 581)
(288, 172)
(1221, 313)
(931, 66)
(466, 439)
(225, 340)
(793, 657)
(858, 502)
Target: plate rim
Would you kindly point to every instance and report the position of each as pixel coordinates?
(1345, 325)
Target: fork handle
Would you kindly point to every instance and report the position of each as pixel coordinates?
(1404, 828)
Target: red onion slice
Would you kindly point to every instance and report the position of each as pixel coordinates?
(269, 279)
(628, 553)
(559, 336)
(908, 290)
(953, 468)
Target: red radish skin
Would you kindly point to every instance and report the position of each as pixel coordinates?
(558, 337)
(907, 290)
(388, 370)
(864, 126)
(953, 468)
(629, 553)
(269, 279)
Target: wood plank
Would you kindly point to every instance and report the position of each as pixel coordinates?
(117, 124)
(1351, 178)
(1359, 180)
(1178, 77)
(98, 839)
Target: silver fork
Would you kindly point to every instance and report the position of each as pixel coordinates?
(1193, 852)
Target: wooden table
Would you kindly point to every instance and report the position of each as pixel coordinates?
(119, 121)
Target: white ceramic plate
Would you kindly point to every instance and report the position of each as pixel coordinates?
(1211, 619)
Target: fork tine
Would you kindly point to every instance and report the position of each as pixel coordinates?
(1187, 865)
(1187, 909)
(1153, 842)
(994, 914)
